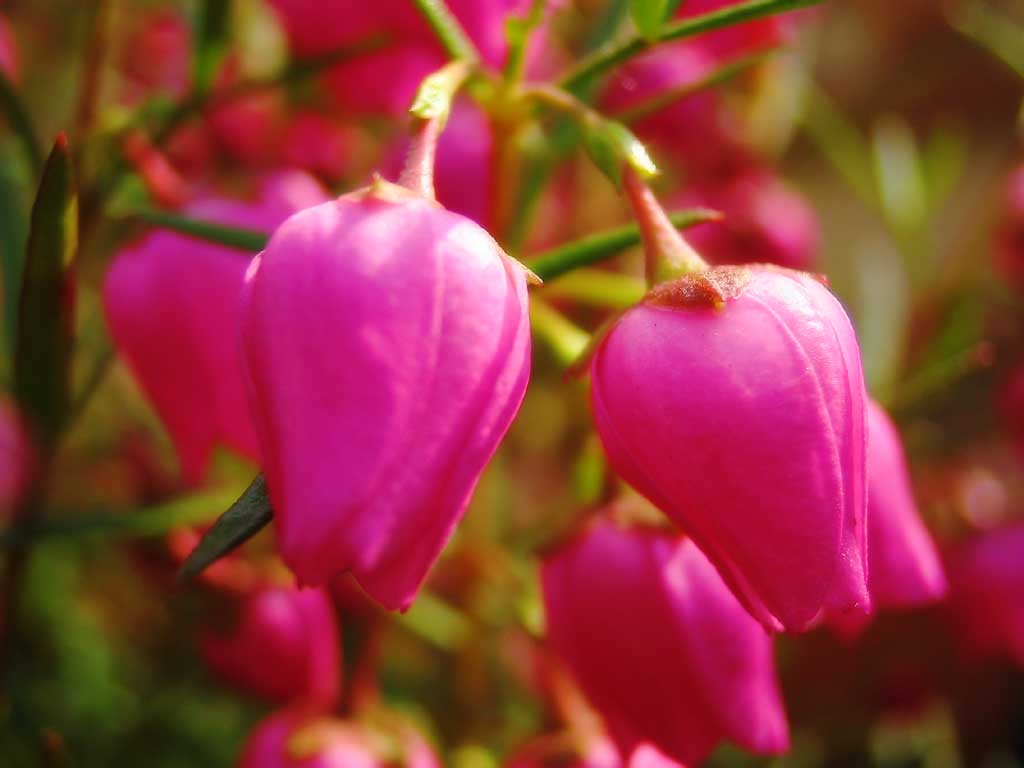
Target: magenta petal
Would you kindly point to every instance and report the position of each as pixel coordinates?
(285, 648)
(660, 645)
(746, 426)
(172, 305)
(905, 568)
(388, 347)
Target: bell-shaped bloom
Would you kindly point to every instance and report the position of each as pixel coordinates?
(659, 644)
(744, 423)
(284, 647)
(172, 304)
(9, 62)
(1009, 244)
(295, 739)
(904, 568)
(387, 345)
(409, 51)
(986, 585)
(764, 221)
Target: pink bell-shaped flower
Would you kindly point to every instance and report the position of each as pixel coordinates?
(294, 739)
(660, 645)
(285, 647)
(764, 221)
(986, 585)
(734, 401)
(904, 566)
(172, 305)
(387, 345)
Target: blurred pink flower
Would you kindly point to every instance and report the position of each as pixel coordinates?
(745, 424)
(764, 221)
(660, 645)
(318, 144)
(9, 61)
(1009, 244)
(157, 56)
(387, 345)
(292, 739)
(986, 582)
(385, 80)
(285, 647)
(172, 305)
(16, 458)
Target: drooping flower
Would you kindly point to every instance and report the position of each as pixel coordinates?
(986, 582)
(904, 568)
(660, 645)
(387, 344)
(296, 739)
(764, 221)
(743, 421)
(284, 647)
(172, 304)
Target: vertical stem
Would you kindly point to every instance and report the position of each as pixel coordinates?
(667, 254)
(447, 28)
(418, 174)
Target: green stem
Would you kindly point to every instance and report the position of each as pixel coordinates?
(448, 29)
(597, 248)
(233, 237)
(520, 36)
(616, 53)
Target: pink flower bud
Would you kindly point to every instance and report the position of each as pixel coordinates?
(172, 305)
(904, 567)
(764, 222)
(986, 580)
(9, 63)
(387, 343)
(157, 57)
(285, 647)
(292, 739)
(660, 645)
(744, 423)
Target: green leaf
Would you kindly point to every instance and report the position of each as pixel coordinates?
(611, 144)
(46, 311)
(233, 237)
(618, 52)
(212, 30)
(648, 15)
(14, 208)
(596, 248)
(243, 520)
(20, 122)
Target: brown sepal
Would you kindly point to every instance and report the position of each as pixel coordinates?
(710, 289)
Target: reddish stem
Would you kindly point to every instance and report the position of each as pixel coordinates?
(418, 174)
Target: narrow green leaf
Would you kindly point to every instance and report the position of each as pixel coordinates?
(14, 207)
(243, 239)
(648, 15)
(46, 311)
(618, 52)
(243, 520)
(20, 122)
(212, 30)
(604, 245)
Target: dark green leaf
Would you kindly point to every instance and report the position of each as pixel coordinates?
(242, 239)
(46, 310)
(648, 15)
(246, 517)
(14, 208)
(604, 245)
